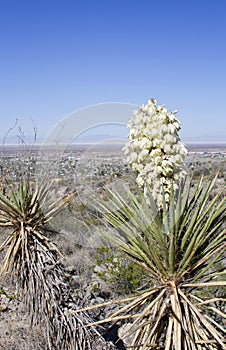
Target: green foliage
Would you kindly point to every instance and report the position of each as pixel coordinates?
(121, 273)
(180, 246)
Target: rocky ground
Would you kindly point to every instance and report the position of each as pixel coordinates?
(15, 329)
(16, 332)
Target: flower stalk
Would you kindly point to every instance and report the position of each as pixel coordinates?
(155, 151)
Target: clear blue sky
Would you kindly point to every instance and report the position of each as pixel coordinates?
(58, 56)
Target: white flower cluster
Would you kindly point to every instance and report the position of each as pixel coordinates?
(154, 150)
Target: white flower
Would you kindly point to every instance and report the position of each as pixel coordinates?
(145, 143)
(178, 158)
(169, 139)
(140, 180)
(172, 117)
(167, 197)
(154, 132)
(132, 133)
(132, 157)
(167, 163)
(154, 150)
(148, 167)
(159, 169)
(142, 155)
(138, 167)
(177, 125)
(172, 128)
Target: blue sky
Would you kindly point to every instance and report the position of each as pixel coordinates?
(59, 56)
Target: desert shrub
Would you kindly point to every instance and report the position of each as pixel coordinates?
(122, 275)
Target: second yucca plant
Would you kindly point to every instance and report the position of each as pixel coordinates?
(33, 261)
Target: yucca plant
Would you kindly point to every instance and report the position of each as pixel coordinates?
(182, 249)
(33, 261)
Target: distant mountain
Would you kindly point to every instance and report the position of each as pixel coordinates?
(205, 139)
(28, 139)
(95, 138)
(123, 138)
(15, 140)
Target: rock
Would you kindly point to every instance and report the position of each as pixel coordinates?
(4, 302)
(125, 335)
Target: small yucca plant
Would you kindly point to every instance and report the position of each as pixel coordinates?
(182, 248)
(33, 260)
